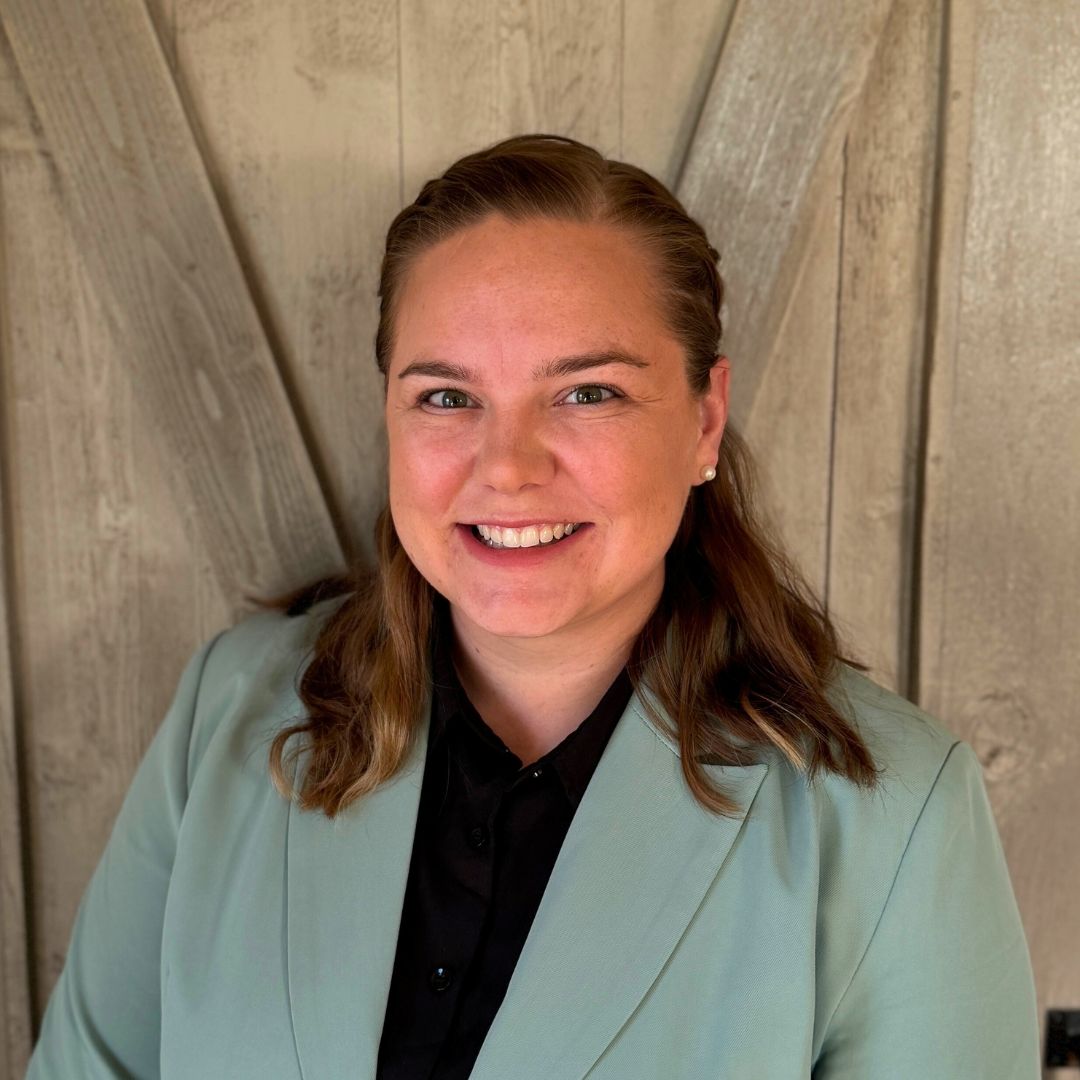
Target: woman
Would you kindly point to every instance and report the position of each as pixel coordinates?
(578, 781)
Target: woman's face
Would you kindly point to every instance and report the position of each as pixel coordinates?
(511, 403)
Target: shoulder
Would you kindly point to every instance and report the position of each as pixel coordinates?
(858, 834)
(911, 750)
(927, 774)
(250, 674)
(908, 744)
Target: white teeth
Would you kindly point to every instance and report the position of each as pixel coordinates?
(528, 536)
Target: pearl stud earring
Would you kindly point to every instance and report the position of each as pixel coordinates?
(708, 472)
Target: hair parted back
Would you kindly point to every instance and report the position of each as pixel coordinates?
(738, 653)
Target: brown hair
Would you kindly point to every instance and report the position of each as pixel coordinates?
(738, 652)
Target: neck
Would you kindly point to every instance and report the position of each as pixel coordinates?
(532, 692)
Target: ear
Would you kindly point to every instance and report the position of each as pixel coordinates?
(713, 412)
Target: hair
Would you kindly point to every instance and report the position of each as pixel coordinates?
(738, 652)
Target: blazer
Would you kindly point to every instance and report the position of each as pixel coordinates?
(826, 932)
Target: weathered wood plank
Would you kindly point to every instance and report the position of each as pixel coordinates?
(14, 968)
(475, 71)
(890, 153)
(449, 65)
(110, 585)
(151, 231)
(15, 1024)
(15, 989)
(776, 115)
(790, 428)
(1000, 637)
(298, 111)
(559, 69)
(628, 78)
(670, 50)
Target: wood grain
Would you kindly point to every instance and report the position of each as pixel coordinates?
(110, 586)
(297, 105)
(16, 1011)
(891, 151)
(474, 72)
(776, 115)
(15, 1023)
(449, 92)
(670, 50)
(1000, 636)
(790, 429)
(150, 229)
(559, 69)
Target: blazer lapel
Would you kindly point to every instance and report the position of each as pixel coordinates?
(634, 867)
(346, 884)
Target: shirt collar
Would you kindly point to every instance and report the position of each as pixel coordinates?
(484, 754)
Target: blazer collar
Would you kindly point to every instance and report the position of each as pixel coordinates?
(634, 867)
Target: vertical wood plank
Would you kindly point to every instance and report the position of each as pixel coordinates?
(558, 70)
(112, 594)
(1000, 638)
(15, 1025)
(297, 105)
(449, 96)
(16, 994)
(15, 1022)
(670, 51)
(882, 332)
(475, 71)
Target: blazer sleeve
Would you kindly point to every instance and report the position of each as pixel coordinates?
(945, 987)
(103, 1016)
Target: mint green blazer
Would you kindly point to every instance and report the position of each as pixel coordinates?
(825, 933)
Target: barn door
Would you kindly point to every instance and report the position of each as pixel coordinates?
(192, 198)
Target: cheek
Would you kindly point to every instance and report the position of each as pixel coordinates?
(640, 473)
(422, 479)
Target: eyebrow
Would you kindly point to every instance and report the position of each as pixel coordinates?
(549, 369)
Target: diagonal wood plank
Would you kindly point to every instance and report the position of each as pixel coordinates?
(109, 587)
(152, 233)
(776, 113)
(297, 112)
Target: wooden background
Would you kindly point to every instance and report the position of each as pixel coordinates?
(193, 198)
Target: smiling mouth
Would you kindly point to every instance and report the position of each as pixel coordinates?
(493, 536)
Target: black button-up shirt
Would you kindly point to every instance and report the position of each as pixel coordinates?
(487, 835)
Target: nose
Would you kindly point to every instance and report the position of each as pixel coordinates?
(513, 452)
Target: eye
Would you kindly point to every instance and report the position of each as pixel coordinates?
(444, 399)
(590, 394)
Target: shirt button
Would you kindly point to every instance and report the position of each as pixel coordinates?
(478, 837)
(440, 978)
(538, 772)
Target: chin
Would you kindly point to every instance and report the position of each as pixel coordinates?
(510, 618)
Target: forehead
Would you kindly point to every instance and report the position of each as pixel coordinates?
(546, 285)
